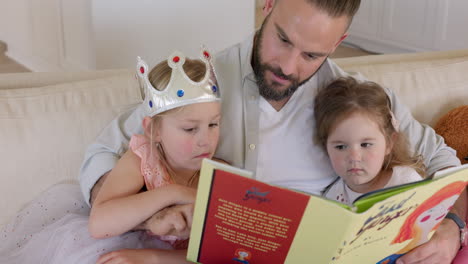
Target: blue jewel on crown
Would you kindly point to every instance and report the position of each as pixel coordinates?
(181, 90)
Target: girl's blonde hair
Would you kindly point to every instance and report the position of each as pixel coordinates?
(346, 96)
(159, 77)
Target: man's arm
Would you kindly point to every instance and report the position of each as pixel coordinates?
(444, 244)
(423, 140)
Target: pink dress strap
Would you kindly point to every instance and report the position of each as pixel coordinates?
(155, 175)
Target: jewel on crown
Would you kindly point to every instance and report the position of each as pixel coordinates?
(180, 90)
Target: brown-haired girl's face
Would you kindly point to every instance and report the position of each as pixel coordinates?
(357, 148)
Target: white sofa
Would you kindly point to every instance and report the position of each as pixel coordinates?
(48, 119)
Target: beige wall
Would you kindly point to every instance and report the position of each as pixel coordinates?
(65, 35)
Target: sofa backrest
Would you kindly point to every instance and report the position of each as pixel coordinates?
(48, 119)
(430, 84)
(46, 126)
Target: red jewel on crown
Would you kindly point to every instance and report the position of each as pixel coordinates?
(176, 59)
(142, 70)
(206, 54)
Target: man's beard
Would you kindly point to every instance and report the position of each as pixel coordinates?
(270, 91)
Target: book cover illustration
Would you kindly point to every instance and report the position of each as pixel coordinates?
(249, 220)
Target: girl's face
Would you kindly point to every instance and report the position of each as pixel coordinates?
(357, 148)
(188, 135)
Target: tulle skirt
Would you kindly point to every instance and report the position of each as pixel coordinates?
(54, 229)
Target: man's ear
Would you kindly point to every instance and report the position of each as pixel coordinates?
(339, 42)
(345, 35)
(269, 4)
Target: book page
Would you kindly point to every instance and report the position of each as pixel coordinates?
(394, 226)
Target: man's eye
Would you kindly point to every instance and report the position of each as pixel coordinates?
(283, 39)
(189, 129)
(311, 57)
(214, 124)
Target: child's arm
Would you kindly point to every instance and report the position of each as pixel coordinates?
(120, 206)
(144, 256)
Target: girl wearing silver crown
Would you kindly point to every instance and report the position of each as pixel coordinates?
(158, 174)
(181, 129)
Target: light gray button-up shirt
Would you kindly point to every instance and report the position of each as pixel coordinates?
(239, 141)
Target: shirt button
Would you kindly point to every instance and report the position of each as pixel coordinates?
(252, 146)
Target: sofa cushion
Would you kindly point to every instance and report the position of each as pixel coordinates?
(430, 88)
(45, 131)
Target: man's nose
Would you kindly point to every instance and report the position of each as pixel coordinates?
(289, 63)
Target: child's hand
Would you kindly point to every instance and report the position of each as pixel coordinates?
(128, 256)
(174, 220)
(143, 256)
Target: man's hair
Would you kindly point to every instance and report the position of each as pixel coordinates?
(337, 8)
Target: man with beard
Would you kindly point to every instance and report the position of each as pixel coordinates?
(267, 85)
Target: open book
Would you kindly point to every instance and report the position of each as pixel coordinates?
(238, 219)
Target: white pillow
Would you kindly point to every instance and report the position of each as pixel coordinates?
(44, 132)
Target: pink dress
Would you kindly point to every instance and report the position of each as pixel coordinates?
(155, 175)
(53, 228)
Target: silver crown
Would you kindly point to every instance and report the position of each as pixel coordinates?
(180, 90)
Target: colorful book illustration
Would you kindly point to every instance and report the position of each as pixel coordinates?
(238, 219)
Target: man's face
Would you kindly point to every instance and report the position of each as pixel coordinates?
(292, 44)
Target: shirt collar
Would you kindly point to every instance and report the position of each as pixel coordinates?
(246, 50)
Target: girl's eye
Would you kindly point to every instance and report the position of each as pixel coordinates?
(192, 129)
(340, 147)
(366, 145)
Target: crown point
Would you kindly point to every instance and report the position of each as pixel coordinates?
(206, 54)
(176, 59)
(142, 70)
(180, 93)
